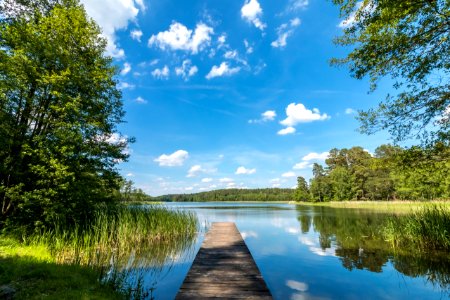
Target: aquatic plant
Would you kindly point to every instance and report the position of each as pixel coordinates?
(427, 228)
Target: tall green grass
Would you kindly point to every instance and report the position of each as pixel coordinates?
(151, 234)
(427, 228)
(119, 243)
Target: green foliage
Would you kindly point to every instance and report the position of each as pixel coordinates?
(409, 42)
(271, 194)
(95, 261)
(130, 194)
(152, 231)
(393, 173)
(426, 228)
(302, 190)
(59, 107)
(358, 236)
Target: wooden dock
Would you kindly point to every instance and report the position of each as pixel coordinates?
(224, 269)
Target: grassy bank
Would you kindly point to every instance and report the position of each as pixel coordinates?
(32, 272)
(427, 228)
(74, 261)
(396, 207)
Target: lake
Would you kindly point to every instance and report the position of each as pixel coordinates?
(306, 252)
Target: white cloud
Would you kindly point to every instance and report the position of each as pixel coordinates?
(287, 130)
(276, 185)
(252, 12)
(226, 180)
(126, 69)
(315, 156)
(112, 15)
(222, 39)
(186, 70)
(297, 285)
(302, 165)
(295, 22)
(360, 10)
(194, 171)
(172, 160)
(306, 160)
(206, 180)
(130, 175)
(269, 115)
(248, 47)
(350, 111)
(275, 180)
(230, 54)
(114, 139)
(284, 31)
(140, 100)
(242, 170)
(368, 151)
(161, 73)
(247, 234)
(136, 35)
(288, 174)
(222, 70)
(298, 113)
(198, 169)
(179, 37)
(266, 116)
(141, 4)
(125, 85)
(305, 240)
(190, 188)
(295, 5)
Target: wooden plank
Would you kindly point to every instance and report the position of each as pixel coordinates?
(224, 268)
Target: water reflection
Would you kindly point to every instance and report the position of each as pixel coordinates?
(308, 252)
(354, 237)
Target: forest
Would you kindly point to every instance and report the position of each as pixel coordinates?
(268, 194)
(392, 173)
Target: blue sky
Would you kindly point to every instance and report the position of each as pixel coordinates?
(222, 94)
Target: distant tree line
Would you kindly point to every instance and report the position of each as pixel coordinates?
(129, 193)
(269, 194)
(392, 173)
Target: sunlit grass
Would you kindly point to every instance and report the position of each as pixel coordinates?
(396, 207)
(112, 247)
(426, 228)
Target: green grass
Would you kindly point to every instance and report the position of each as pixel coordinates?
(426, 228)
(71, 263)
(395, 207)
(34, 273)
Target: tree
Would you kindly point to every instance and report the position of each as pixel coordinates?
(342, 183)
(59, 107)
(408, 41)
(302, 190)
(320, 187)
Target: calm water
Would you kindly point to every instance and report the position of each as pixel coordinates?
(313, 253)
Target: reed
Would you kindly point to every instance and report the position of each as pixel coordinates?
(427, 228)
(117, 245)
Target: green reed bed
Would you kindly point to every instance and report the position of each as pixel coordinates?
(153, 229)
(427, 228)
(116, 246)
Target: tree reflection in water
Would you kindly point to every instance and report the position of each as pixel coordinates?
(356, 236)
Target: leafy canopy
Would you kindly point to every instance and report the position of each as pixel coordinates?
(408, 41)
(59, 107)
